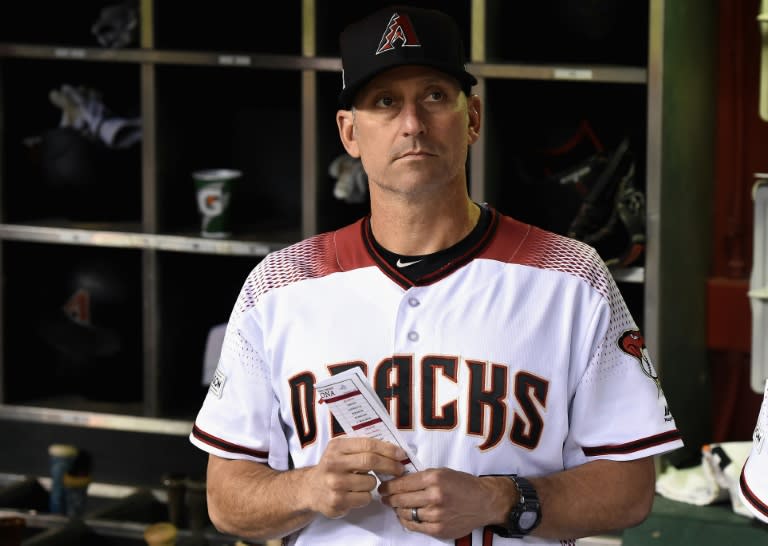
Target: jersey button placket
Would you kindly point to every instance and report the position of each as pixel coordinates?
(407, 317)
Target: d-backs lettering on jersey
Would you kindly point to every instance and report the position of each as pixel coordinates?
(487, 407)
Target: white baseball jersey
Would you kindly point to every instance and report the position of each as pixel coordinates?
(753, 484)
(518, 357)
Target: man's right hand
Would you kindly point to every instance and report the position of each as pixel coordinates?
(342, 481)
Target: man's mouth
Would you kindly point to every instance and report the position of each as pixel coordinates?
(414, 153)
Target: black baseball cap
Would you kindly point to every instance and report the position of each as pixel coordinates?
(398, 36)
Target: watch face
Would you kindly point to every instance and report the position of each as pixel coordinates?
(527, 520)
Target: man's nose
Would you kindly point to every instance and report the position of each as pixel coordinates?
(412, 118)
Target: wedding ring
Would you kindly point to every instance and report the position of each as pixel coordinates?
(415, 515)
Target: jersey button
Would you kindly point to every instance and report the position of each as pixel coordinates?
(413, 302)
(413, 336)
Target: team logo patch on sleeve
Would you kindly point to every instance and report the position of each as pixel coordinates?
(632, 342)
(217, 383)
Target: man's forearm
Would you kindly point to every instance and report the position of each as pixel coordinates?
(595, 498)
(253, 501)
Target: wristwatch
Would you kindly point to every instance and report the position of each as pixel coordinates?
(525, 516)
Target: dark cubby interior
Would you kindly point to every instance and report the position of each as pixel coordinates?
(197, 293)
(73, 323)
(595, 32)
(270, 28)
(212, 118)
(53, 23)
(56, 172)
(544, 129)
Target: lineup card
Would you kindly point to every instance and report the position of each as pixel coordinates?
(360, 412)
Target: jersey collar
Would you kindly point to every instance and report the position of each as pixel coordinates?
(439, 265)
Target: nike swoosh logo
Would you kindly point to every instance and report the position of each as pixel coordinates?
(401, 263)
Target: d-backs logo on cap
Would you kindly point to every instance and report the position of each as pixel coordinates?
(400, 29)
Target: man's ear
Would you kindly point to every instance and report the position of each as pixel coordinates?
(474, 111)
(345, 121)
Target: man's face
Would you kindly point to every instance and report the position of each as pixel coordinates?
(411, 126)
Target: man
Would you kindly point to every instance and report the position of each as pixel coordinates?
(753, 482)
(504, 354)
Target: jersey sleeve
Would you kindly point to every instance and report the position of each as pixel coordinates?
(618, 408)
(230, 424)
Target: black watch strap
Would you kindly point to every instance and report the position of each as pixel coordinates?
(525, 516)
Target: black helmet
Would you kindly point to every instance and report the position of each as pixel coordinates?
(92, 330)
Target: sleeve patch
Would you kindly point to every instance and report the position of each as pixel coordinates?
(217, 383)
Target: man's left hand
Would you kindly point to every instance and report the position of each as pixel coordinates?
(449, 504)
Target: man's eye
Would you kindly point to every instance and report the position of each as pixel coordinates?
(436, 96)
(385, 101)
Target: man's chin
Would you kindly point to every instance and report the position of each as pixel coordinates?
(415, 187)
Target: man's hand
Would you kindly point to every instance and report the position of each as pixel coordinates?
(449, 503)
(594, 498)
(341, 480)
